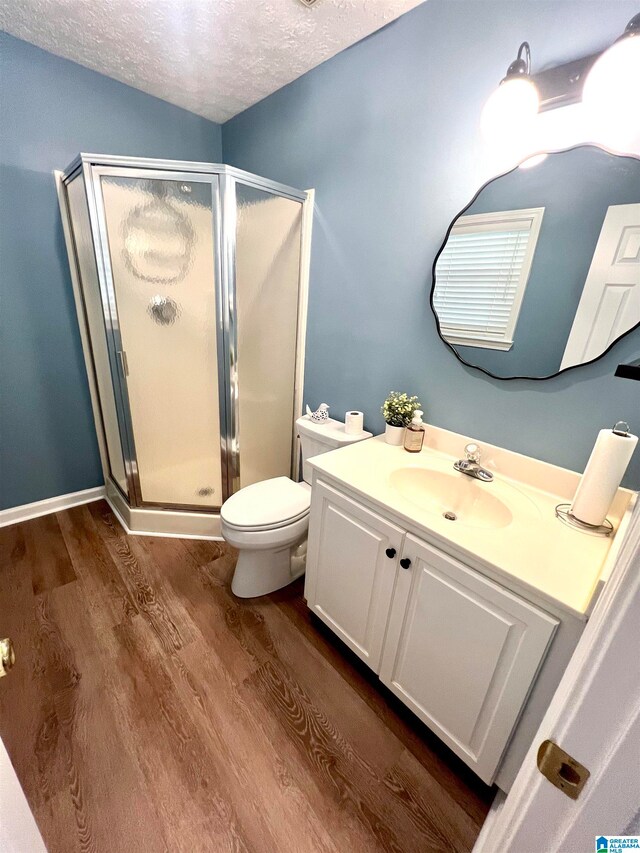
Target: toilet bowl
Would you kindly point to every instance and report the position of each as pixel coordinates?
(268, 521)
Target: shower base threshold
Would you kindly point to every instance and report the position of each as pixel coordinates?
(162, 522)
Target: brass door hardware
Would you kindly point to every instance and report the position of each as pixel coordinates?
(7, 656)
(561, 769)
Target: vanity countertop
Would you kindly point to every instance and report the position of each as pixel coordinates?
(511, 528)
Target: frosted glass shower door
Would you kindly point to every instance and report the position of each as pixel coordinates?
(160, 250)
(268, 246)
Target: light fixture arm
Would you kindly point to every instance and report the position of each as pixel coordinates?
(521, 66)
(632, 28)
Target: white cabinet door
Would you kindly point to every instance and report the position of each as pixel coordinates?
(462, 653)
(352, 562)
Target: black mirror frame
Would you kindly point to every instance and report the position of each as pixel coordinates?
(444, 243)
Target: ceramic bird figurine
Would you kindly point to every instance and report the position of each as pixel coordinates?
(321, 414)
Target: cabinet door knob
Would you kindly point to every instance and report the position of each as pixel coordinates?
(405, 562)
(390, 552)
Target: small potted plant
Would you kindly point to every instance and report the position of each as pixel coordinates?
(397, 411)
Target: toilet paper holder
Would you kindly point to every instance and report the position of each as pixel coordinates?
(563, 512)
(621, 428)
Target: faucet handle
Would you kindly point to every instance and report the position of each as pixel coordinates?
(473, 452)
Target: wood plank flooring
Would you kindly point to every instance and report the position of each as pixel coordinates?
(150, 710)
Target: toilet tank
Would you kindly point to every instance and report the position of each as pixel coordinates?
(321, 438)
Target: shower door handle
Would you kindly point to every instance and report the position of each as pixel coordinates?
(124, 364)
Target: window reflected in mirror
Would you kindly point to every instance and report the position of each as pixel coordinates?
(482, 274)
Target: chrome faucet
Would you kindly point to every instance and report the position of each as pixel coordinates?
(471, 465)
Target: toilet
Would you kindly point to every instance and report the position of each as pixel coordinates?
(267, 522)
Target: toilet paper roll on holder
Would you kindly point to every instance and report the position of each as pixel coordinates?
(563, 511)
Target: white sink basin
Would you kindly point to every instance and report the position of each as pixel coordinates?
(460, 498)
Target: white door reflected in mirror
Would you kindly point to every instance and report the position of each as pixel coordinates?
(610, 301)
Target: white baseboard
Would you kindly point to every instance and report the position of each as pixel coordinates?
(23, 513)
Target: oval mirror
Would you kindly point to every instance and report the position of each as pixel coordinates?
(541, 271)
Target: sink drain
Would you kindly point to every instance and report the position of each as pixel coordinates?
(450, 516)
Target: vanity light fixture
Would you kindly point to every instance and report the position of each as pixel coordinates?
(607, 84)
(514, 104)
(611, 86)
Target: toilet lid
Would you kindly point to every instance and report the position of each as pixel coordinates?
(270, 503)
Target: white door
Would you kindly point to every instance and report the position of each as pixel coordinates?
(610, 302)
(18, 830)
(595, 717)
(462, 653)
(352, 562)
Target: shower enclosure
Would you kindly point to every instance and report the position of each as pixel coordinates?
(190, 284)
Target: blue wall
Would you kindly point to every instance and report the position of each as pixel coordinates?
(51, 110)
(387, 132)
(576, 189)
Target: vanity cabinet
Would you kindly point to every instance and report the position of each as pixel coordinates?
(467, 599)
(353, 555)
(462, 653)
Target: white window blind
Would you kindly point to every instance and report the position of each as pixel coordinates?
(481, 276)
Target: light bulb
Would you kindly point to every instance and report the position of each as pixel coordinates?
(611, 91)
(510, 110)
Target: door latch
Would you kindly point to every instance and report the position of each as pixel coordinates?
(7, 656)
(561, 769)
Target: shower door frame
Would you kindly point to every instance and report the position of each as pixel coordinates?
(223, 180)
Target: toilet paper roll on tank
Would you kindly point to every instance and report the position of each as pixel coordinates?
(353, 423)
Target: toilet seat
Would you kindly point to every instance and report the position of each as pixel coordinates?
(268, 505)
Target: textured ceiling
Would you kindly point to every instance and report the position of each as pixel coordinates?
(213, 57)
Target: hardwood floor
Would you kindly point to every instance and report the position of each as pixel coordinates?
(150, 710)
